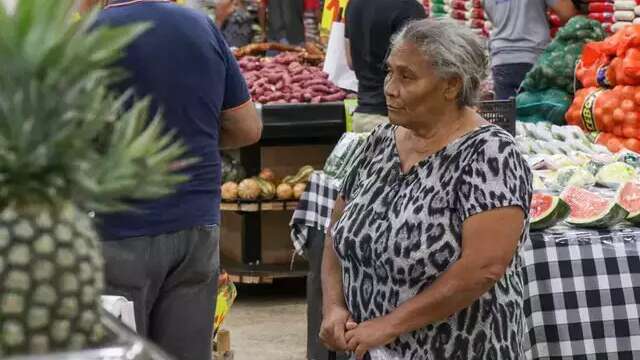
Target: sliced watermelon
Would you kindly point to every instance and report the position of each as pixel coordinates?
(589, 210)
(629, 198)
(546, 211)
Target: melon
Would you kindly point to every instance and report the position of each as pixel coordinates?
(546, 211)
(590, 210)
(629, 199)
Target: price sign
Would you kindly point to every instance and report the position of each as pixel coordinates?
(331, 13)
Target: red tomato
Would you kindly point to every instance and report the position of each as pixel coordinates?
(618, 115)
(628, 105)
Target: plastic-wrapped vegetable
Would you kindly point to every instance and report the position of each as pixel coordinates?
(612, 175)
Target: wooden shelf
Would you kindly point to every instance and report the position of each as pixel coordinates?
(262, 274)
(275, 205)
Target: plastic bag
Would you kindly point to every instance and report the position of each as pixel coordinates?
(556, 66)
(343, 153)
(615, 111)
(549, 105)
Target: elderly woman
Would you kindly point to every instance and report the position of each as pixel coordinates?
(423, 259)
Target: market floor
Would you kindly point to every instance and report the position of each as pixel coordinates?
(268, 322)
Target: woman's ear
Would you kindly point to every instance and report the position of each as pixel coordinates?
(452, 89)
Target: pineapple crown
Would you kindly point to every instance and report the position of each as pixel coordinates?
(64, 137)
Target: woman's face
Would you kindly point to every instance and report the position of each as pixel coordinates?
(413, 90)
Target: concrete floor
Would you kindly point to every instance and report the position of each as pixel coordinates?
(268, 322)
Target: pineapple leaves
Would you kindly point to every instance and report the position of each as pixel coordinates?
(64, 135)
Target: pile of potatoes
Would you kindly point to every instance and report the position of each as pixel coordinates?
(285, 79)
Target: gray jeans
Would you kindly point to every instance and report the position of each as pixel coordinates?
(172, 280)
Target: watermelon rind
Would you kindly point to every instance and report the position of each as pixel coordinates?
(634, 216)
(558, 211)
(613, 215)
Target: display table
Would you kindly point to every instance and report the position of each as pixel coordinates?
(582, 294)
(582, 288)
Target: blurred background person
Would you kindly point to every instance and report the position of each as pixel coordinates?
(283, 21)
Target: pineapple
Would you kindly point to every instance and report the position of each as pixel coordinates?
(67, 147)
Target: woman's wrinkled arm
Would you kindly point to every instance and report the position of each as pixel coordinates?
(334, 310)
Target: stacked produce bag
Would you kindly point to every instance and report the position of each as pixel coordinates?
(624, 13)
(609, 105)
(468, 12)
(549, 86)
(602, 11)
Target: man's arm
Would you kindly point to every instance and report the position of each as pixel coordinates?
(241, 126)
(564, 9)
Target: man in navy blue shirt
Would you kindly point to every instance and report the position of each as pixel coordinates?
(164, 255)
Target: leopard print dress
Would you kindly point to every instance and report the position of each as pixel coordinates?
(400, 232)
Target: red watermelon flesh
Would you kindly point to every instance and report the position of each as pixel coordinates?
(629, 197)
(590, 210)
(583, 203)
(540, 203)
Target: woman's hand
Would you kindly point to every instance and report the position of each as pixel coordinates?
(333, 328)
(369, 335)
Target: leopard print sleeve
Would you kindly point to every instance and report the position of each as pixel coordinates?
(351, 182)
(496, 177)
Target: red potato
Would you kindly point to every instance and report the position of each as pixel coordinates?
(316, 100)
(320, 89)
(334, 97)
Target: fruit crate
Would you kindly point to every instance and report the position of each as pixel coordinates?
(500, 112)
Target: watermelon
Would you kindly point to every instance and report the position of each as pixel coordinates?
(589, 210)
(546, 211)
(629, 198)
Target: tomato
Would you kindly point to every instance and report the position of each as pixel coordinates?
(629, 131)
(603, 138)
(631, 118)
(607, 123)
(617, 130)
(628, 92)
(632, 144)
(636, 97)
(628, 105)
(618, 115)
(614, 144)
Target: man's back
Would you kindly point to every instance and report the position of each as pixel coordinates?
(521, 30)
(369, 27)
(184, 65)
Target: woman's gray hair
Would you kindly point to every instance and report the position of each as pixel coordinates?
(453, 50)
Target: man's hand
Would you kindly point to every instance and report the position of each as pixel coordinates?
(369, 335)
(332, 330)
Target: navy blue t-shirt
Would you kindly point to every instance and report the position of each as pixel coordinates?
(183, 63)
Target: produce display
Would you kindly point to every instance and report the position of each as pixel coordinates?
(602, 11)
(610, 102)
(629, 198)
(555, 69)
(547, 211)
(286, 79)
(344, 154)
(591, 210)
(263, 187)
(547, 139)
(549, 86)
(467, 12)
